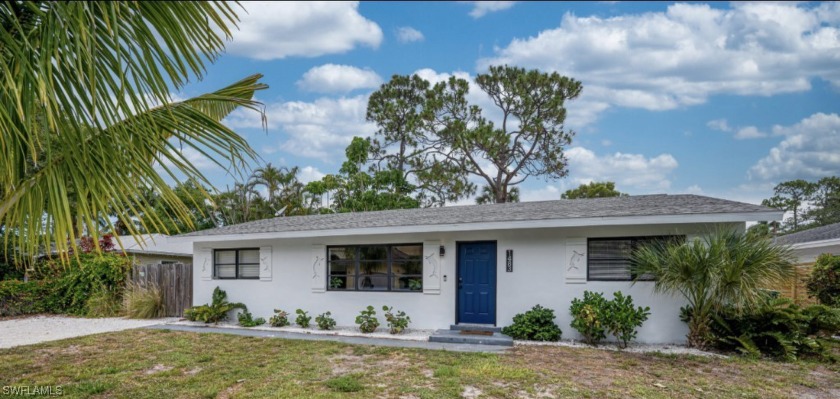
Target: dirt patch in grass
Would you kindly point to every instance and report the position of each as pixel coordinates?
(676, 376)
(158, 368)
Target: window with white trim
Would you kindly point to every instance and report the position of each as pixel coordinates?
(397, 267)
(241, 263)
(609, 258)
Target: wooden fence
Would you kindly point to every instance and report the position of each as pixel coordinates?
(795, 289)
(174, 281)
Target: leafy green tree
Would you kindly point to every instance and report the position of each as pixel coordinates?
(436, 135)
(825, 202)
(593, 190)
(790, 196)
(86, 111)
(812, 204)
(356, 189)
(530, 139)
(403, 111)
(720, 269)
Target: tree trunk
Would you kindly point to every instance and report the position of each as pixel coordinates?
(501, 193)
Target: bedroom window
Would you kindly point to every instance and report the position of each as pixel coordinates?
(241, 264)
(375, 267)
(609, 258)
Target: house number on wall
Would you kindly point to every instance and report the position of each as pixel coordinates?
(509, 261)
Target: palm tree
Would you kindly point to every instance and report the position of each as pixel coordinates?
(725, 268)
(271, 177)
(86, 112)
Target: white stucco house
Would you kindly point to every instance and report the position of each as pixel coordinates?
(807, 245)
(479, 264)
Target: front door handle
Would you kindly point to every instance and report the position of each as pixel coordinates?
(460, 282)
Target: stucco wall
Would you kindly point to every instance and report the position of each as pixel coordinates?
(538, 277)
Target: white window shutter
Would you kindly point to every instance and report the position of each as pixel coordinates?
(432, 267)
(318, 268)
(203, 263)
(266, 265)
(575, 263)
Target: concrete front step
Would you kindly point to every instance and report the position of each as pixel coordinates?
(455, 337)
(475, 327)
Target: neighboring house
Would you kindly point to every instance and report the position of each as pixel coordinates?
(155, 249)
(807, 245)
(478, 264)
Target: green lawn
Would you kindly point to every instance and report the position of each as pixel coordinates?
(155, 364)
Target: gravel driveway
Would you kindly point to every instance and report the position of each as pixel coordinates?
(32, 330)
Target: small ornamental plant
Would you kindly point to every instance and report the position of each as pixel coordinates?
(280, 318)
(214, 312)
(536, 324)
(302, 318)
(589, 316)
(398, 322)
(325, 321)
(247, 320)
(367, 320)
(623, 318)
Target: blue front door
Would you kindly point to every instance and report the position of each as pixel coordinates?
(477, 282)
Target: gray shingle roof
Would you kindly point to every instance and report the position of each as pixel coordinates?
(828, 232)
(640, 205)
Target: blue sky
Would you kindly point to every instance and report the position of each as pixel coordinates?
(716, 99)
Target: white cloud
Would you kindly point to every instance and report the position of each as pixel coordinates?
(332, 78)
(810, 149)
(545, 193)
(482, 8)
(275, 30)
(694, 189)
(630, 172)
(749, 132)
(407, 34)
(310, 173)
(743, 133)
(680, 57)
(320, 129)
(719, 124)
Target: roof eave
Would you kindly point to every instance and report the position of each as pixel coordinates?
(816, 244)
(506, 225)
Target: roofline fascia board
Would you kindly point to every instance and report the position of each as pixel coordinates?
(506, 225)
(816, 244)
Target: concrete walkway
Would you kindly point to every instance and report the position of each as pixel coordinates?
(349, 340)
(36, 329)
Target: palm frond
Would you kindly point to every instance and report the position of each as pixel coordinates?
(110, 169)
(86, 111)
